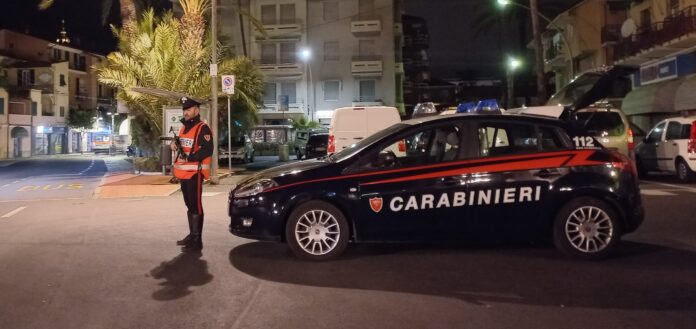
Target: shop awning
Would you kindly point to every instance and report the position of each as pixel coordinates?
(652, 98)
(685, 98)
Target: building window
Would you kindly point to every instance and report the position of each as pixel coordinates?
(34, 108)
(288, 53)
(77, 86)
(268, 15)
(269, 93)
(330, 11)
(287, 13)
(332, 90)
(66, 56)
(268, 53)
(367, 91)
(56, 54)
(62, 80)
(331, 51)
(673, 6)
(2, 106)
(62, 111)
(289, 89)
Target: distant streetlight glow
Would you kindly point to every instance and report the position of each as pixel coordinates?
(305, 54)
(503, 2)
(514, 63)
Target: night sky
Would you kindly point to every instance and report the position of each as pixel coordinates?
(454, 48)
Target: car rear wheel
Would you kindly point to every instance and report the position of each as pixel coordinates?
(586, 228)
(298, 154)
(684, 173)
(317, 231)
(642, 172)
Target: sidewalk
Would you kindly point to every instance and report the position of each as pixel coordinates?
(121, 181)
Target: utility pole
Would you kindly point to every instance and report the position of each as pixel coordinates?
(213, 93)
(538, 52)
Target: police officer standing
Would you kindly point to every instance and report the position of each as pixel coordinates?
(191, 166)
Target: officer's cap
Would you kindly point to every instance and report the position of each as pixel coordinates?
(187, 102)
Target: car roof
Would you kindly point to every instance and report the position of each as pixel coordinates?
(530, 118)
(683, 120)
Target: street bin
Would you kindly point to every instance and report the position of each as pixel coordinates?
(165, 154)
(283, 152)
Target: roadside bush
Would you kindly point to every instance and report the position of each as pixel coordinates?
(147, 164)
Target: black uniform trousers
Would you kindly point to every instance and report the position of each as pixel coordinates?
(192, 189)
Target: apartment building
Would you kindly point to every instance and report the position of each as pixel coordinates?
(659, 37)
(45, 80)
(582, 38)
(318, 55)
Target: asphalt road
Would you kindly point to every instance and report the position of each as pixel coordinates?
(90, 263)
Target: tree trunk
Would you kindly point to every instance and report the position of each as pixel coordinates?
(128, 12)
(538, 52)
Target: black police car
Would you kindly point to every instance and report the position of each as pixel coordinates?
(447, 178)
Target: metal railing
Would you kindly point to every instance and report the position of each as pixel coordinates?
(366, 58)
(673, 27)
(611, 34)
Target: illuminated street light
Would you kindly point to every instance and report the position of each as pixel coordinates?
(503, 3)
(513, 64)
(305, 55)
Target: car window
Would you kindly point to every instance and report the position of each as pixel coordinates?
(602, 123)
(551, 140)
(685, 131)
(656, 133)
(422, 147)
(369, 140)
(497, 139)
(674, 130)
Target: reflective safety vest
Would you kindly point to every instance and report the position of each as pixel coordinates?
(184, 169)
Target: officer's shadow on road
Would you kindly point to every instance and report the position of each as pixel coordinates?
(179, 274)
(640, 277)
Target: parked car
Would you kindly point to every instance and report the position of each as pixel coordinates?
(352, 124)
(302, 138)
(670, 146)
(464, 177)
(242, 149)
(316, 146)
(609, 126)
(591, 97)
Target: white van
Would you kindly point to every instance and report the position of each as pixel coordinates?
(351, 124)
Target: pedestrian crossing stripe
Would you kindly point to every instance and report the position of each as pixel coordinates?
(655, 192)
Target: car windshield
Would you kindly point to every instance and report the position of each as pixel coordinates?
(602, 123)
(572, 92)
(355, 148)
(238, 141)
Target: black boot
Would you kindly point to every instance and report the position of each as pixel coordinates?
(187, 239)
(196, 243)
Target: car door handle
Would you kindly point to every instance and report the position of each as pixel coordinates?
(546, 173)
(674, 144)
(357, 138)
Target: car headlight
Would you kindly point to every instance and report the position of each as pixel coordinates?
(255, 187)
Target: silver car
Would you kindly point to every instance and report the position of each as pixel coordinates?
(242, 149)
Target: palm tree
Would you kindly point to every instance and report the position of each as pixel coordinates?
(172, 54)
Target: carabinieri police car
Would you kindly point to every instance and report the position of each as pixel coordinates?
(447, 178)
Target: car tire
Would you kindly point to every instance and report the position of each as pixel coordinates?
(684, 173)
(586, 228)
(246, 158)
(317, 231)
(251, 159)
(298, 154)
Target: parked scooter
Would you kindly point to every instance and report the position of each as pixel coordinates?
(130, 151)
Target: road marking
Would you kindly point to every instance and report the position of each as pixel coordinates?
(654, 192)
(29, 188)
(13, 212)
(684, 188)
(210, 193)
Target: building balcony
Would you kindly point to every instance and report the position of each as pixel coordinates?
(367, 66)
(366, 101)
(78, 67)
(81, 95)
(675, 33)
(46, 88)
(281, 30)
(366, 26)
(274, 69)
(554, 57)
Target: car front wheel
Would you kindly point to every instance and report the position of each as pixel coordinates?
(586, 228)
(684, 173)
(317, 231)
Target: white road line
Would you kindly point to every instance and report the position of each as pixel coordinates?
(684, 188)
(13, 212)
(210, 193)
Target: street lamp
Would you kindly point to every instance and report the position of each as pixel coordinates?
(503, 3)
(305, 56)
(512, 65)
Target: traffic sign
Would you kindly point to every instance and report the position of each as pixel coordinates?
(228, 84)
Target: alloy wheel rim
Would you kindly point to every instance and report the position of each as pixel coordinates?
(589, 229)
(317, 232)
(682, 170)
